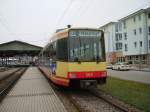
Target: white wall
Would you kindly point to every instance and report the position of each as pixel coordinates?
(131, 38)
(148, 25)
(109, 34)
(144, 23)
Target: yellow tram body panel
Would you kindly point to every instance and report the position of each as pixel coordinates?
(64, 67)
(61, 69)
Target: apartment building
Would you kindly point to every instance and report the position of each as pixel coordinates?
(109, 34)
(129, 38)
(136, 36)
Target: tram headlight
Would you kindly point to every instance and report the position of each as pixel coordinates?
(72, 75)
(104, 74)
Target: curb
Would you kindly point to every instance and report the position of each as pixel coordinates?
(140, 70)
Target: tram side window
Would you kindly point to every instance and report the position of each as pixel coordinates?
(61, 50)
(52, 51)
(100, 51)
(44, 58)
(103, 48)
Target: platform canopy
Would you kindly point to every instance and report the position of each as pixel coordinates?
(16, 47)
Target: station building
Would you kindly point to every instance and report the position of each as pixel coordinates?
(18, 53)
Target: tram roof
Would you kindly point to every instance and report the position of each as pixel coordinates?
(62, 33)
(76, 28)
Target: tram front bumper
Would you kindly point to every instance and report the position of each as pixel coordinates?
(88, 83)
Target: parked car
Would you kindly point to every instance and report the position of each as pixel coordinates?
(121, 66)
(109, 66)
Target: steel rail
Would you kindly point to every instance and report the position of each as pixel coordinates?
(16, 75)
(116, 103)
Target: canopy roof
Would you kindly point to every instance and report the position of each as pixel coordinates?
(18, 48)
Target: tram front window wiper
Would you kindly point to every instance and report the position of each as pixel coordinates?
(76, 59)
(97, 59)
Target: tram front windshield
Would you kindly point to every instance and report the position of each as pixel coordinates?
(85, 45)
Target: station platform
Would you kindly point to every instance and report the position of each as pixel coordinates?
(32, 93)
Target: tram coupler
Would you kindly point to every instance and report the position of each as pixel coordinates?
(88, 84)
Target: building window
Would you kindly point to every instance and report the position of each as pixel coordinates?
(120, 27)
(135, 44)
(149, 44)
(134, 19)
(116, 27)
(126, 47)
(144, 57)
(139, 17)
(149, 30)
(141, 43)
(116, 37)
(140, 30)
(118, 46)
(125, 36)
(149, 15)
(120, 36)
(134, 31)
(130, 57)
(136, 57)
(124, 24)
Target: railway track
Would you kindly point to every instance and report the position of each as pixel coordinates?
(93, 101)
(2, 69)
(113, 101)
(8, 80)
(90, 100)
(84, 101)
(6, 73)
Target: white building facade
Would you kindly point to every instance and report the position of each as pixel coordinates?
(129, 38)
(136, 36)
(109, 34)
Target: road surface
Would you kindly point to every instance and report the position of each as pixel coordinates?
(138, 76)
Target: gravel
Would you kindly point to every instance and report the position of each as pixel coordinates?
(91, 103)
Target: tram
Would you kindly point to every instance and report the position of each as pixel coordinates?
(75, 57)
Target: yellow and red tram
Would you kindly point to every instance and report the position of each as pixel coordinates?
(75, 57)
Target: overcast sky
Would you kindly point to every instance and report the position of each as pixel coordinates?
(35, 21)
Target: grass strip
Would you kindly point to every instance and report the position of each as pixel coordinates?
(130, 92)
